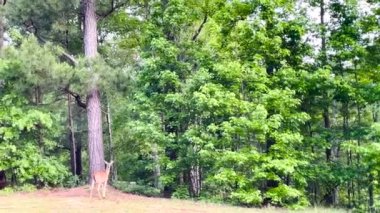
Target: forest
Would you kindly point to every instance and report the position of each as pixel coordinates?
(247, 102)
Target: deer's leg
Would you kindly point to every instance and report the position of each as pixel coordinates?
(99, 185)
(92, 187)
(104, 190)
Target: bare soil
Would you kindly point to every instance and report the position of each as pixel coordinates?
(77, 200)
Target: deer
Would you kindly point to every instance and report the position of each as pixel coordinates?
(101, 178)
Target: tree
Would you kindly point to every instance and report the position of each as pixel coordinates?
(247, 102)
(29, 128)
(93, 104)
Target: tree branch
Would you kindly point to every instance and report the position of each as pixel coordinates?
(195, 36)
(76, 96)
(73, 62)
(69, 58)
(111, 10)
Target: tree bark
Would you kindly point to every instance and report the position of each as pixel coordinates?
(94, 113)
(371, 202)
(195, 180)
(3, 179)
(71, 136)
(95, 133)
(111, 156)
(327, 123)
(1, 32)
(78, 157)
(323, 32)
(38, 101)
(157, 169)
(332, 197)
(90, 29)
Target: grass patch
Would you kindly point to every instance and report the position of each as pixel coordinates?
(322, 210)
(23, 188)
(7, 191)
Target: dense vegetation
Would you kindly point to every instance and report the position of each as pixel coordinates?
(251, 102)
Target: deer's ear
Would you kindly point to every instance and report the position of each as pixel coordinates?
(106, 162)
(111, 162)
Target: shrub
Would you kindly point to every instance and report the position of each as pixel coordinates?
(287, 196)
(252, 197)
(74, 181)
(132, 187)
(181, 192)
(26, 188)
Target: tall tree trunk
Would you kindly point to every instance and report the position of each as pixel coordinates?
(195, 180)
(94, 113)
(375, 114)
(359, 112)
(326, 117)
(71, 136)
(371, 202)
(195, 176)
(38, 101)
(327, 124)
(3, 178)
(111, 156)
(157, 169)
(323, 32)
(332, 197)
(1, 32)
(95, 134)
(270, 183)
(78, 158)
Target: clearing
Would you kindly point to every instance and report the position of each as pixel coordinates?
(77, 200)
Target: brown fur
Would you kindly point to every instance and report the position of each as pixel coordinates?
(101, 178)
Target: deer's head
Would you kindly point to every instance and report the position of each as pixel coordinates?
(109, 164)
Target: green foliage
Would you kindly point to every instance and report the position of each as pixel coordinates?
(250, 198)
(28, 133)
(27, 188)
(22, 188)
(181, 192)
(247, 102)
(285, 196)
(132, 187)
(20, 154)
(73, 181)
(7, 191)
(47, 19)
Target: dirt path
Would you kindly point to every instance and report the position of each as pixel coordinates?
(77, 200)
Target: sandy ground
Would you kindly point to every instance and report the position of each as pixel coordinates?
(77, 200)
